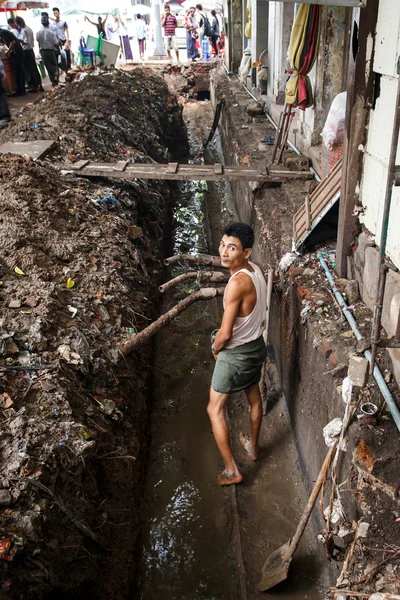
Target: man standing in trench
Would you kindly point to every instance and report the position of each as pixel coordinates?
(238, 346)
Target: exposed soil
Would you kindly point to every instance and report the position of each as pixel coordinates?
(80, 267)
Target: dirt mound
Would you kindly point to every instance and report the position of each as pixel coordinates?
(106, 115)
(80, 266)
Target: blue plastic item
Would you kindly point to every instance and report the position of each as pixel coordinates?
(205, 48)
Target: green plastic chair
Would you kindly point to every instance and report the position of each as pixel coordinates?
(99, 48)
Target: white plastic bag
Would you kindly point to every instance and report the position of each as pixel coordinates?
(334, 128)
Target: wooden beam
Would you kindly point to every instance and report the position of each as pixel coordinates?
(79, 165)
(360, 88)
(308, 212)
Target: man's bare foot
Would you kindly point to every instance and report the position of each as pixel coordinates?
(245, 441)
(226, 478)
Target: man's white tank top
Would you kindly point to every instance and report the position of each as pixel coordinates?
(247, 329)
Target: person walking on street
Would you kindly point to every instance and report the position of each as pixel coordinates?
(191, 35)
(140, 34)
(27, 39)
(214, 32)
(60, 28)
(48, 46)
(238, 346)
(17, 59)
(122, 31)
(169, 23)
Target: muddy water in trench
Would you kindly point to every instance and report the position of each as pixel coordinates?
(186, 533)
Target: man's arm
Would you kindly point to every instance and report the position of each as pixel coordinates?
(91, 22)
(233, 298)
(163, 20)
(67, 40)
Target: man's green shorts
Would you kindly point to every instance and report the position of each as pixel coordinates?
(239, 368)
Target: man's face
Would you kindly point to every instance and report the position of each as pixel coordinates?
(56, 14)
(167, 12)
(13, 25)
(232, 253)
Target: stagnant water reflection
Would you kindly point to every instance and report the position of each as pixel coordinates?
(186, 532)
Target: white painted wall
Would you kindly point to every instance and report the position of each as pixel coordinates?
(376, 157)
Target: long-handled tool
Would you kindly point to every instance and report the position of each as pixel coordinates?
(277, 565)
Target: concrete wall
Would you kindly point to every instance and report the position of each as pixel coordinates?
(376, 157)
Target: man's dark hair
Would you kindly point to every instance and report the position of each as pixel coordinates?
(138, 16)
(242, 231)
(20, 21)
(213, 13)
(199, 6)
(11, 21)
(55, 8)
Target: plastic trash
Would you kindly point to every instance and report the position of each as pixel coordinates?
(332, 431)
(334, 128)
(206, 48)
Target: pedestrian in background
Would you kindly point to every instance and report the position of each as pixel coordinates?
(27, 39)
(60, 28)
(200, 18)
(169, 23)
(191, 35)
(120, 28)
(214, 32)
(100, 25)
(17, 59)
(48, 46)
(140, 34)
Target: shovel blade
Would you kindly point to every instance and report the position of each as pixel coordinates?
(276, 568)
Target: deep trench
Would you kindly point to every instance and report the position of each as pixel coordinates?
(198, 541)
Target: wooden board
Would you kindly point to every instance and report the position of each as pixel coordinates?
(182, 172)
(317, 204)
(34, 149)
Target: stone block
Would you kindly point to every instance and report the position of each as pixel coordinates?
(352, 292)
(297, 163)
(358, 370)
(6, 498)
(394, 315)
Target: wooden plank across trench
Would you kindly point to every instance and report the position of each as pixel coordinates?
(316, 205)
(182, 172)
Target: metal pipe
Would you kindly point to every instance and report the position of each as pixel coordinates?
(340, 298)
(391, 181)
(385, 390)
(376, 372)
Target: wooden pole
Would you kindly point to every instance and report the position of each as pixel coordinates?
(136, 340)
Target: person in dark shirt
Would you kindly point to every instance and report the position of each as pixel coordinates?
(16, 58)
(101, 26)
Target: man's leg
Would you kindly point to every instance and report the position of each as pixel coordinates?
(254, 399)
(216, 411)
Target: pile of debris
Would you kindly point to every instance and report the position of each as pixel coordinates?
(80, 266)
(106, 115)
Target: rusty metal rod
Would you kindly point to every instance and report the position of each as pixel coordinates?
(197, 259)
(376, 327)
(202, 277)
(136, 340)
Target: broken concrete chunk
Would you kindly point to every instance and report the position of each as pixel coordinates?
(362, 530)
(14, 303)
(11, 348)
(6, 498)
(5, 400)
(31, 301)
(358, 370)
(297, 163)
(352, 291)
(17, 425)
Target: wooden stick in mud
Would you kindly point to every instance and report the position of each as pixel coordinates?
(202, 277)
(197, 259)
(135, 340)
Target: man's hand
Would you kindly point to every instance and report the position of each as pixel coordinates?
(67, 45)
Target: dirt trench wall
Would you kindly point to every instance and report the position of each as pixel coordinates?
(80, 265)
